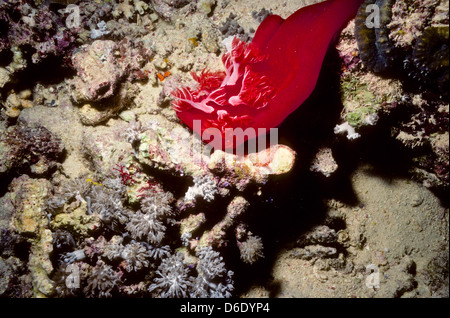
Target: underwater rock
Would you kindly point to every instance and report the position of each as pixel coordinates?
(4, 76)
(6, 275)
(210, 39)
(29, 201)
(365, 96)
(40, 31)
(77, 221)
(190, 224)
(30, 220)
(410, 91)
(232, 28)
(398, 279)
(255, 167)
(216, 237)
(92, 114)
(425, 130)
(409, 19)
(103, 65)
(167, 8)
(168, 146)
(130, 9)
(97, 71)
(15, 102)
(206, 6)
(169, 85)
(105, 72)
(40, 265)
(105, 149)
(32, 148)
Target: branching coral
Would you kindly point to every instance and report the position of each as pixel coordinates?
(176, 279)
(77, 188)
(40, 29)
(101, 200)
(158, 252)
(131, 134)
(114, 248)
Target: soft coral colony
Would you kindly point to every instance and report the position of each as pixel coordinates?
(264, 80)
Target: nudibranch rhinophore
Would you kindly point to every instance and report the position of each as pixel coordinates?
(264, 80)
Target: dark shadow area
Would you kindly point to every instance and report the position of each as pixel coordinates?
(168, 181)
(294, 203)
(6, 56)
(5, 180)
(50, 71)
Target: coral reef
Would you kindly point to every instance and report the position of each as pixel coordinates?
(431, 57)
(401, 69)
(39, 32)
(106, 193)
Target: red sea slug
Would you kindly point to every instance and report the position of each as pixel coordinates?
(265, 80)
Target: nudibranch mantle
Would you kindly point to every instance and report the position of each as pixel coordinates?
(264, 80)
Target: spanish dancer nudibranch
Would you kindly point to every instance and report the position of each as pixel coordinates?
(264, 80)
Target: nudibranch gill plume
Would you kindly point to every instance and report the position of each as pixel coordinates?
(264, 80)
